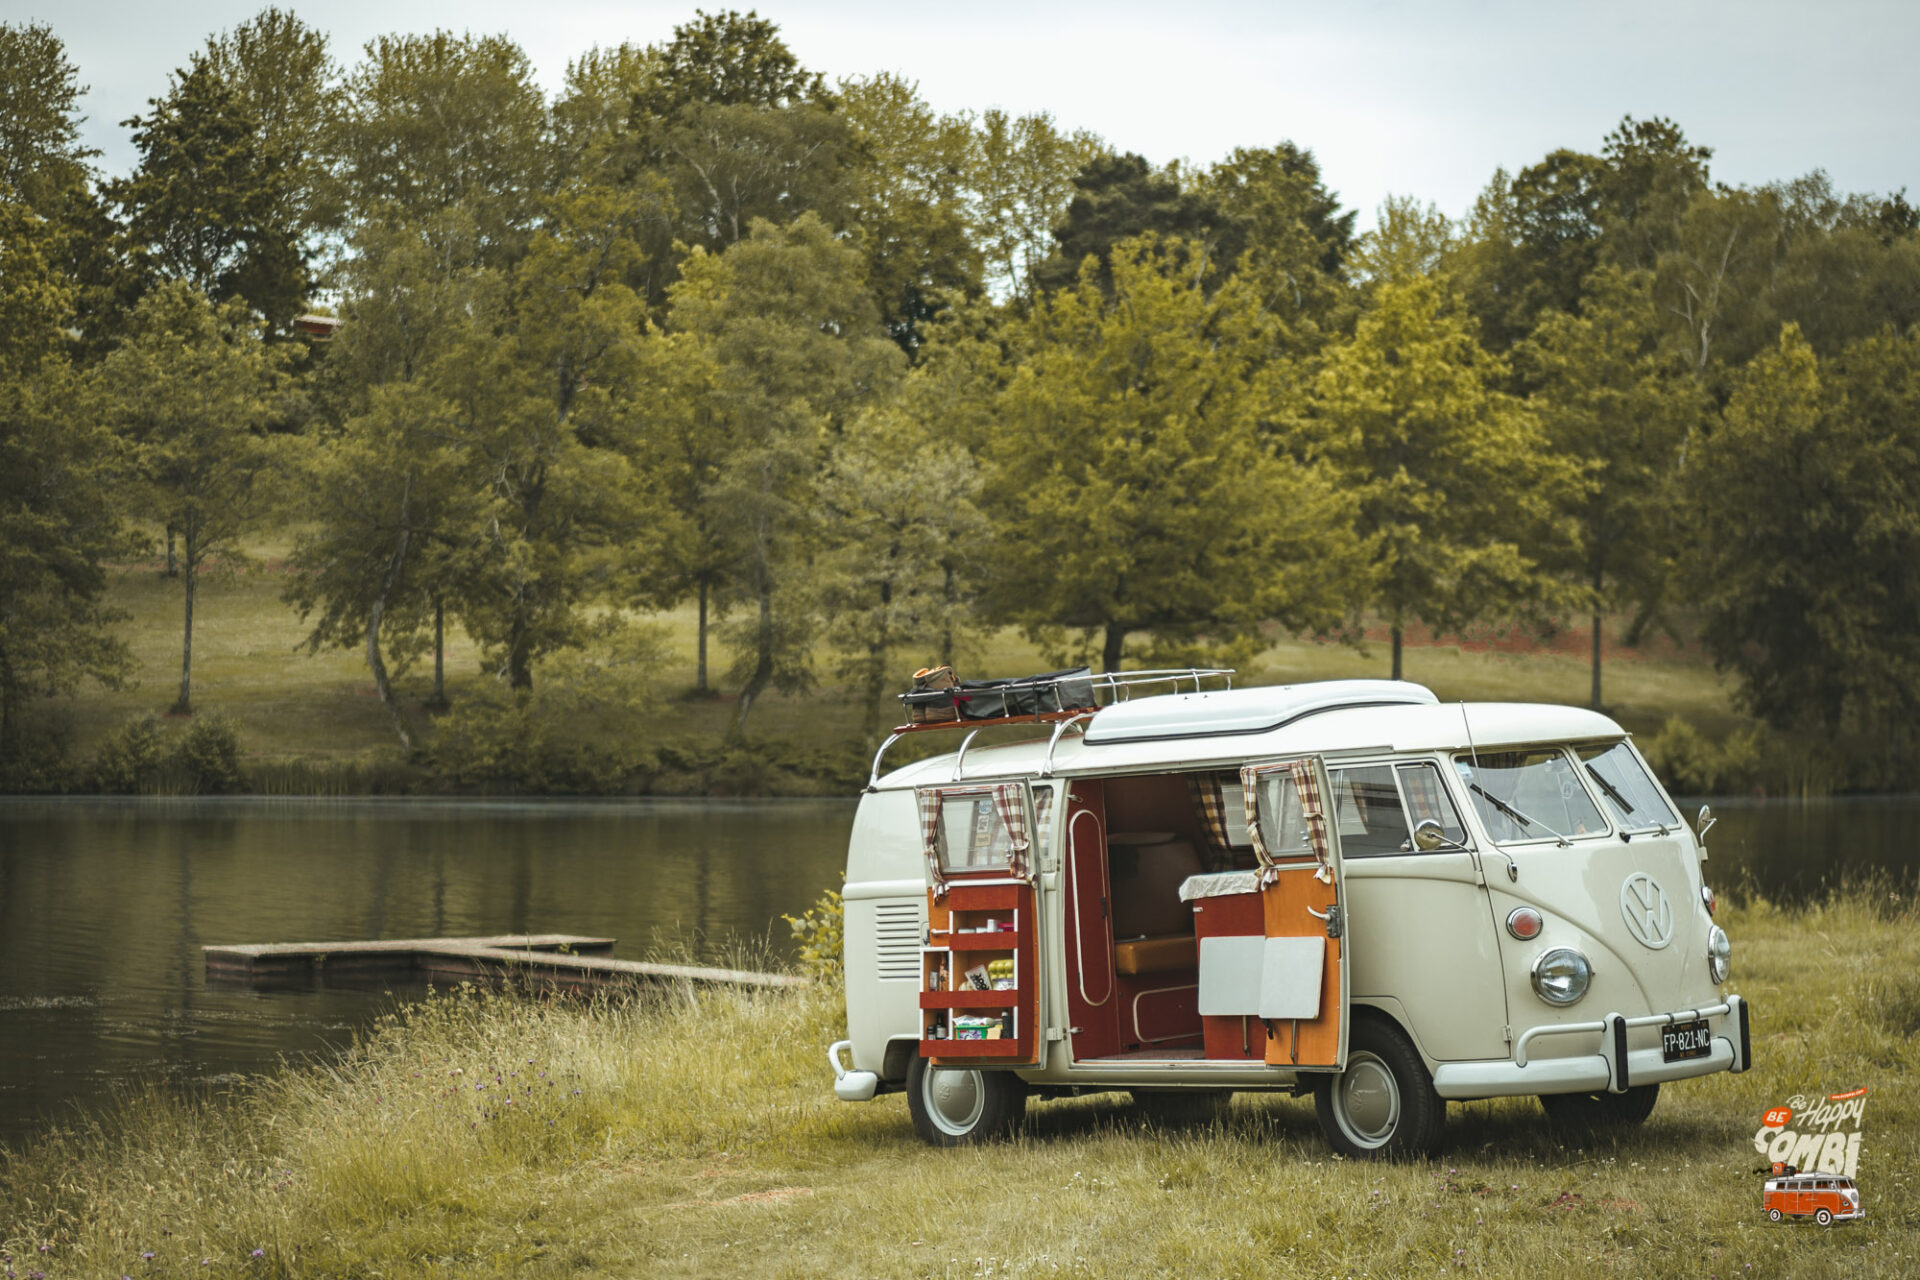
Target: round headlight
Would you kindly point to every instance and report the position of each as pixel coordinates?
(1719, 954)
(1561, 976)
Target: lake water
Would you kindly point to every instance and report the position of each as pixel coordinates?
(104, 906)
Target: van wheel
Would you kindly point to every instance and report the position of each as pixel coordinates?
(1773, 1215)
(954, 1106)
(1823, 1217)
(1383, 1105)
(1181, 1108)
(1588, 1113)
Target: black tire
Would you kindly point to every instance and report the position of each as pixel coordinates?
(1581, 1114)
(956, 1106)
(1823, 1217)
(1383, 1105)
(1181, 1108)
(1773, 1215)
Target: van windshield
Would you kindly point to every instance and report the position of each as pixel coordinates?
(1627, 789)
(1533, 794)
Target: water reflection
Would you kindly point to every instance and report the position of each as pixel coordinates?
(104, 907)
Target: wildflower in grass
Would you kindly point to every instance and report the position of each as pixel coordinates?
(259, 1253)
(147, 1256)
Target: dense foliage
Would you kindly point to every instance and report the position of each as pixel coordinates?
(854, 376)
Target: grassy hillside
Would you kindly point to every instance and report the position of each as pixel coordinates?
(480, 1137)
(295, 708)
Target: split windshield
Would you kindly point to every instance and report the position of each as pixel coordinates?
(1625, 788)
(1534, 794)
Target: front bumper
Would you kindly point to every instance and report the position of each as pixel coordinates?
(1614, 1069)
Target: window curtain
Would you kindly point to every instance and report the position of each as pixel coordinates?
(1306, 785)
(1210, 802)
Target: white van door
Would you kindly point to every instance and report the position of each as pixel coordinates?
(1304, 1001)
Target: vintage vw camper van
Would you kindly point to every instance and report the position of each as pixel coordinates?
(1825, 1197)
(1344, 888)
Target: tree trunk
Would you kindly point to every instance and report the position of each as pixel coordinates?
(375, 663)
(1594, 701)
(700, 667)
(946, 617)
(519, 661)
(762, 668)
(173, 563)
(1396, 651)
(438, 701)
(1114, 647)
(184, 705)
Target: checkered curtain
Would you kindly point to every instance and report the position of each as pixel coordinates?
(929, 800)
(1009, 801)
(1210, 802)
(1306, 785)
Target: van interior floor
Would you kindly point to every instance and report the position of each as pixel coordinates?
(1152, 1055)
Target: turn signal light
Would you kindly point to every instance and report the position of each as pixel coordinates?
(1707, 896)
(1524, 923)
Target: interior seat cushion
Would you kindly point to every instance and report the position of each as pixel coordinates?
(1156, 955)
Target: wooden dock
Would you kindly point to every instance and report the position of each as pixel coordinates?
(537, 960)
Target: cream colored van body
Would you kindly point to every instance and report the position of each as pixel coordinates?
(1460, 948)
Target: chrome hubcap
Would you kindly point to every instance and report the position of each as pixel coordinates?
(1368, 1101)
(954, 1098)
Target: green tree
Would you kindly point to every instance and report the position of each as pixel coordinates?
(193, 389)
(741, 131)
(1021, 174)
(909, 204)
(1135, 476)
(785, 324)
(1531, 242)
(904, 534)
(1612, 400)
(284, 77)
(1460, 498)
(207, 201)
(41, 156)
(440, 122)
(59, 517)
(1808, 537)
(1116, 198)
(1280, 228)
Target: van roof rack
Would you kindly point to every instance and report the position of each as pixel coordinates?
(1106, 689)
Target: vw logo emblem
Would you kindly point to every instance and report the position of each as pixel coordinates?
(1648, 911)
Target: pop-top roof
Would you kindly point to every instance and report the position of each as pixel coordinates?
(1228, 711)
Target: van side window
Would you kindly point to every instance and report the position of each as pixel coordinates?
(972, 835)
(1376, 816)
(1427, 799)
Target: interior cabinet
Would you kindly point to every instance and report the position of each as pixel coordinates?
(980, 934)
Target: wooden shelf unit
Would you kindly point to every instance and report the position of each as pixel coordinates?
(959, 940)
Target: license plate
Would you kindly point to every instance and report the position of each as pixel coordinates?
(1685, 1040)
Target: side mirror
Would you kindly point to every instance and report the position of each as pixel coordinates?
(1427, 836)
(1705, 822)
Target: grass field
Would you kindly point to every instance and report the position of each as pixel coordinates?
(477, 1136)
(293, 708)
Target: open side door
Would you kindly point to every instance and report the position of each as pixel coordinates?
(1303, 996)
(980, 968)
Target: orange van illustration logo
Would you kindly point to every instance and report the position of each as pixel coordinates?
(1813, 1146)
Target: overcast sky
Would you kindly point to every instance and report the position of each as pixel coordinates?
(1394, 97)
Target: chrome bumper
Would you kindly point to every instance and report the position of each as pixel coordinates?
(1614, 1068)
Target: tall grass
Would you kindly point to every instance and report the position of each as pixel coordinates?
(476, 1135)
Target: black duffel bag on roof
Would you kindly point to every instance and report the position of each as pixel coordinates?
(1069, 690)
